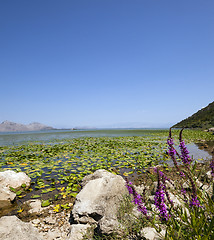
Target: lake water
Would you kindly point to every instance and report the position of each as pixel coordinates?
(16, 138)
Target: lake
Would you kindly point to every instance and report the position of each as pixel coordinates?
(17, 138)
(56, 161)
(14, 138)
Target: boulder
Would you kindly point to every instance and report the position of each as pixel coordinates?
(211, 129)
(99, 200)
(6, 197)
(15, 180)
(11, 179)
(12, 228)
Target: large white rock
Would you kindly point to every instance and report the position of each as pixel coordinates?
(15, 180)
(98, 201)
(12, 228)
(6, 197)
(12, 179)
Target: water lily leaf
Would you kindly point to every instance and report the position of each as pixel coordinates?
(65, 206)
(35, 196)
(12, 189)
(19, 192)
(45, 203)
(74, 194)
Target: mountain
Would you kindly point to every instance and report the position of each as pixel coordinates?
(204, 119)
(8, 126)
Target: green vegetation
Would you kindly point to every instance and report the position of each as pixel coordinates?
(203, 119)
(56, 168)
(177, 202)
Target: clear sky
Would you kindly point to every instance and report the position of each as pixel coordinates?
(105, 63)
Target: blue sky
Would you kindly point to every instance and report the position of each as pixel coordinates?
(105, 63)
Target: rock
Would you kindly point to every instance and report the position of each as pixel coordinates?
(176, 201)
(6, 197)
(15, 180)
(98, 201)
(208, 175)
(151, 234)
(35, 206)
(140, 188)
(78, 231)
(12, 179)
(53, 234)
(12, 228)
(211, 129)
(50, 220)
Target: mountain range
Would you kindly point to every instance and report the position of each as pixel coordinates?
(7, 126)
(203, 119)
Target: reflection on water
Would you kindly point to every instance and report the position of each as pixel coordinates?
(15, 138)
(198, 154)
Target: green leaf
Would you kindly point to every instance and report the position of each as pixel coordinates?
(35, 196)
(19, 192)
(45, 203)
(12, 189)
(74, 194)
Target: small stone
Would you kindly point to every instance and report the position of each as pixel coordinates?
(151, 234)
(78, 231)
(35, 206)
(50, 220)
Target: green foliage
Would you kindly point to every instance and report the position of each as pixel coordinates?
(204, 119)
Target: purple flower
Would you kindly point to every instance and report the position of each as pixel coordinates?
(164, 178)
(194, 202)
(159, 199)
(128, 186)
(172, 153)
(212, 167)
(183, 191)
(137, 199)
(184, 153)
(159, 203)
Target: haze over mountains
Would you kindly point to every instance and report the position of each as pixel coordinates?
(7, 126)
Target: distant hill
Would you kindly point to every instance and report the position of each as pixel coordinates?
(203, 119)
(8, 126)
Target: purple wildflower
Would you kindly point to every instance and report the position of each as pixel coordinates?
(137, 199)
(164, 178)
(183, 191)
(212, 167)
(194, 202)
(184, 152)
(172, 153)
(128, 186)
(159, 200)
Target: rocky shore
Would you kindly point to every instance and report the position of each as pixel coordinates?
(95, 210)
